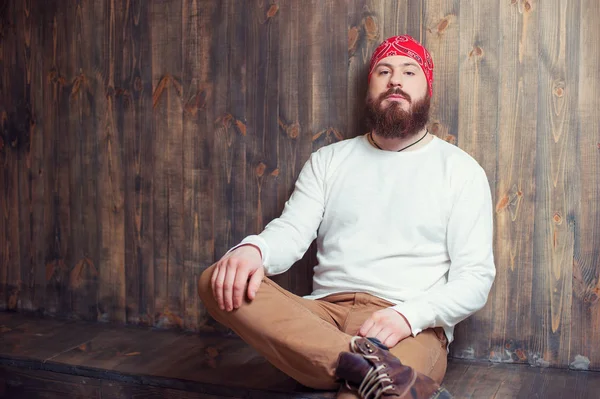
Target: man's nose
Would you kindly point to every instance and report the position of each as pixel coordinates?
(395, 81)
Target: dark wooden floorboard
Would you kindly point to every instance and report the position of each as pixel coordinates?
(47, 358)
(208, 364)
(473, 379)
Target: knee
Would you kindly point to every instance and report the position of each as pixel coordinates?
(205, 287)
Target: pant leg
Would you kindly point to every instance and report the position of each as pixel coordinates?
(298, 336)
(426, 353)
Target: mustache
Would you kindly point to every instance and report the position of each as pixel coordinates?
(395, 91)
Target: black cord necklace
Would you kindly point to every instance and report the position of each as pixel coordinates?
(401, 149)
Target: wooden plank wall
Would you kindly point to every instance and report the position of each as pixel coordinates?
(139, 140)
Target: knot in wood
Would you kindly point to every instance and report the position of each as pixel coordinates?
(476, 52)
(557, 218)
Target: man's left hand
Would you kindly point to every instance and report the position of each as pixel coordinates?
(387, 325)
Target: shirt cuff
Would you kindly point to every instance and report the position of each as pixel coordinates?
(420, 316)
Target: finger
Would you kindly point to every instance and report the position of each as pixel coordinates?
(218, 285)
(366, 326)
(383, 336)
(228, 286)
(374, 331)
(213, 279)
(239, 286)
(255, 281)
(392, 340)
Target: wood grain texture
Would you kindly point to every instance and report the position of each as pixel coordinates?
(134, 96)
(477, 130)
(140, 145)
(167, 69)
(260, 132)
(290, 132)
(23, 384)
(512, 330)
(83, 274)
(43, 142)
(111, 181)
(132, 361)
(197, 222)
(22, 86)
(140, 140)
(585, 329)
(201, 210)
(485, 380)
(364, 33)
(556, 191)
(441, 37)
(12, 132)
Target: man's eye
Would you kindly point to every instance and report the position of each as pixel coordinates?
(384, 72)
(409, 73)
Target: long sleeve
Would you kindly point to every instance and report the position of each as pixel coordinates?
(472, 270)
(285, 239)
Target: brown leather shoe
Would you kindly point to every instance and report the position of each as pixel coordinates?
(375, 373)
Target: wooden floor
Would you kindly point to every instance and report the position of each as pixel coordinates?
(45, 358)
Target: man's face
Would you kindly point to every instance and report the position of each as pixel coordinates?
(398, 98)
(402, 74)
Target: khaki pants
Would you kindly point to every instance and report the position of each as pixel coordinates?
(303, 337)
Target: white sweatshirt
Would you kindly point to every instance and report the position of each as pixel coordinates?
(411, 227)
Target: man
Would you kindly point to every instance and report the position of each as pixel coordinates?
(403, 222)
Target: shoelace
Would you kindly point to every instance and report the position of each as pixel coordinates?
(375, 383)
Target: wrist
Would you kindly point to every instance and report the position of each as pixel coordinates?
(253, 246)
(405, 319)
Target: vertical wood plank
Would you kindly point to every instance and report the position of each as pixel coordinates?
(262, 43)
(403, 17)
(337, 64)
(441, 37)
(243, 77)
(168, 181)
(202, 247)
(221, 136)
(19, 125)
(198, 252)
(110, 170)
(514, 209)
(130, 58)
(26, 286)
(40, 205)
(364, 34)
(586, 265)
(555, 178)
(71, 177)
(83, 274)
(229, 163)
(47, 86)
(10, 274)
(262, 137)
(477, 127)
(57, 266)
(292, 134)
(139, 142)
(133, 100)
(3, 158)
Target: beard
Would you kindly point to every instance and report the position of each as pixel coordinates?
(394, 122)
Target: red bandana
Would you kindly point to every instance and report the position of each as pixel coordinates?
(406, 46)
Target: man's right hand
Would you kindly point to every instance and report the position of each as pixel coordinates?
(237, 273)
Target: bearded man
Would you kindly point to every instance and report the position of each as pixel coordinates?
(403, 223)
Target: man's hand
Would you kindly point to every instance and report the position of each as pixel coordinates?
(238, 272)
(387, 325)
